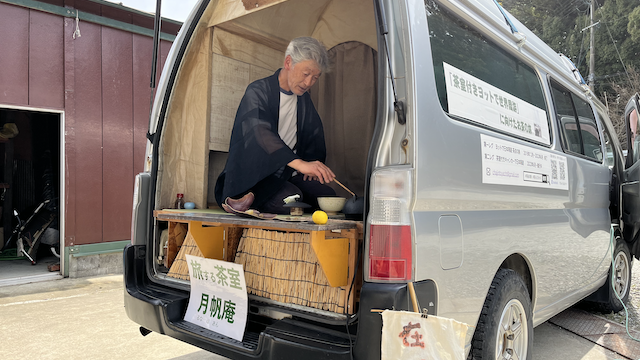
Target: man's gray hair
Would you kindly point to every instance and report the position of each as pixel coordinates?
(308, 48)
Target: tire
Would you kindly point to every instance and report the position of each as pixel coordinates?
(622, 278)
(505, 329)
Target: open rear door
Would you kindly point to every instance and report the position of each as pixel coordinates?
(631, 177)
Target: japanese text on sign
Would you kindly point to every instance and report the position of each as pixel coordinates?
(218, 299)
(218, 308)
(406, 332)
(469, 86)
(223, 276)
(508, 163)
(479, 101)
(409, 336)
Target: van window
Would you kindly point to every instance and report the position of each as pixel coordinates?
(610, 142)
(577, 123)
(508, 93)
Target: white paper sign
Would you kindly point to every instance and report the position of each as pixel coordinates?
(508, 163)
(218, 299)
(476, 100)
(409, 336)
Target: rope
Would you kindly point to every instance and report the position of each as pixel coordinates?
(76, 33)
(288, 280)
(277, 259)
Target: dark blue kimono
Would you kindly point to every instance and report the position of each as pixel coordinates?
(258, 157)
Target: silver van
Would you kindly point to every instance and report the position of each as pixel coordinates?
(494, 181)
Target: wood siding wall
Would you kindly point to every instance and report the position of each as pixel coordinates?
(101, 81)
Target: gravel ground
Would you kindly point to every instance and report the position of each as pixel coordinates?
(633, 305)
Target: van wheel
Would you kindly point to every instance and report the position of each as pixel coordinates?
(621, 270)
(504, 330)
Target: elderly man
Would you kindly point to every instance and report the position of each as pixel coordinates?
(277, 144)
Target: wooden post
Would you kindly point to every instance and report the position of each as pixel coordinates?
(414, 299)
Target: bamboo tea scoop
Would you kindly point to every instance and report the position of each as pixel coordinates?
(344, 187)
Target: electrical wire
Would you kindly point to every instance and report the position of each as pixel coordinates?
(567, 8)
(626, 311)
(581, 44)
(616, 47)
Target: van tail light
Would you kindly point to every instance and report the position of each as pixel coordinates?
(390, 252)
(390, 242)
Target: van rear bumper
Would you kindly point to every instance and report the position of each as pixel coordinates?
(161, 309)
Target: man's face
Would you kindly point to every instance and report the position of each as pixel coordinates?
(302, 75)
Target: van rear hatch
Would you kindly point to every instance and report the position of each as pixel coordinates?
(298, 305)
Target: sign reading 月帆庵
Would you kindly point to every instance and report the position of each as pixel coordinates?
(218, 299)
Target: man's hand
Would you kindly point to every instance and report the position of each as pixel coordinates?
(313, 170)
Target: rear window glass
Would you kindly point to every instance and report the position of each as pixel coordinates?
(610, 142)
(478, 81)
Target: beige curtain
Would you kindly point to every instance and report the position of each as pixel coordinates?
(345, 98)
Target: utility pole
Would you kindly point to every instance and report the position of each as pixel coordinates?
(592, 56)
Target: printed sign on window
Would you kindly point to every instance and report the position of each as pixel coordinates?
(218, 299)
(476, 100)
(508, 163)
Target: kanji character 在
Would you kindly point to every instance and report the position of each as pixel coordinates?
(406, 332)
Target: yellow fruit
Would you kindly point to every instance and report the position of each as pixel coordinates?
(320, 217)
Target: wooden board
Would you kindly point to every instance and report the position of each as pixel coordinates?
(257, 73)
(228, 83)
(235, 63)
(218, 217)
(184, 154)
(246, 48)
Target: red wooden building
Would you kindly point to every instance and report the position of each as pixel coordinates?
(74, 78)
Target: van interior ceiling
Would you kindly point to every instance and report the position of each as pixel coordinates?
(233, 46)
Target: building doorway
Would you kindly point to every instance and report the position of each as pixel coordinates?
(30, 195)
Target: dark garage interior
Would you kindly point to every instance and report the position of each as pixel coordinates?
(30, 170)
